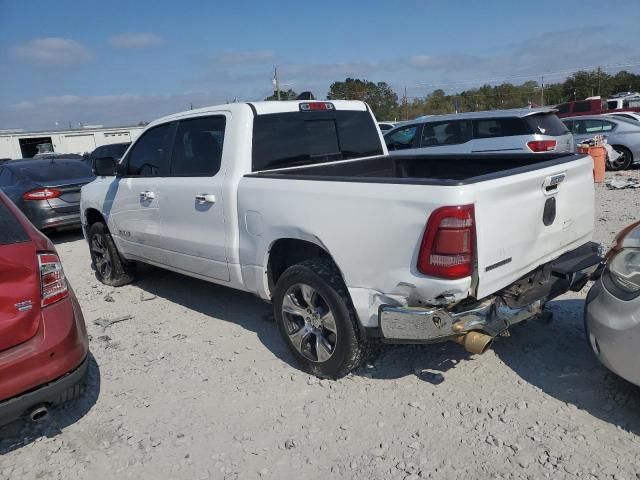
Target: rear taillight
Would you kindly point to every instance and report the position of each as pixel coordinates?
(41, 194)
(53, 285)
(542, 145)
(448, 243)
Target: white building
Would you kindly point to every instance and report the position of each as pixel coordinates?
(21, 144)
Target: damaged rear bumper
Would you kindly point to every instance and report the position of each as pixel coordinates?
(492, 315)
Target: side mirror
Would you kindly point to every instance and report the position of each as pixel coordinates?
(104, 167)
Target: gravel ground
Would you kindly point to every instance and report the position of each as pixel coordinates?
(198, 385)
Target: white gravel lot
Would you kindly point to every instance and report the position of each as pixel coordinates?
(198, 385)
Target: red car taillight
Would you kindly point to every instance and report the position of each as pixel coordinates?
(448, 243)
(41, 194)
(53, 285)
(542, 145)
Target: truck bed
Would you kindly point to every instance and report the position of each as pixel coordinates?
(445, 170)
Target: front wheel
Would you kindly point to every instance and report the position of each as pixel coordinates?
(111, 269)
(317, 320)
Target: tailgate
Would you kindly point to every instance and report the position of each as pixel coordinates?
(517, 228)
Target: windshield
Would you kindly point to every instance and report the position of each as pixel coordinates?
(299, 138)
(57, 170)
(546, 124)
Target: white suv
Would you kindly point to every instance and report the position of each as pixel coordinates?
(498, 131)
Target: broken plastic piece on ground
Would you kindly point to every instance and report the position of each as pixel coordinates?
(616, 184)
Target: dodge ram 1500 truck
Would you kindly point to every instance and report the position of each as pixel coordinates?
(300, 203)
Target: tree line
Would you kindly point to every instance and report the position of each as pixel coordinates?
(388, 105)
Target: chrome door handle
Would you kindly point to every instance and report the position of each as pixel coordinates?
(147, 195)
(206, 198)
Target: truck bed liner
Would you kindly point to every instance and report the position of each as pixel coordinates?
(445, 170)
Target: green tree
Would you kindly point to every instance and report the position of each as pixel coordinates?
(380, 97)
(288, 95)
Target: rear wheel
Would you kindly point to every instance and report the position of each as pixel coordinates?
(111, 269)
(317, 320)
(623, 162)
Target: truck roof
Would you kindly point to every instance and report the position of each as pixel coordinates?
(261, 108)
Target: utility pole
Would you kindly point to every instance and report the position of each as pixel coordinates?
(406, 105)
(542, 92)
(598, 81)
(276, 82)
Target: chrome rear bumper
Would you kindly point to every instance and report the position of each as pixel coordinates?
(407, 325)
(492, 315)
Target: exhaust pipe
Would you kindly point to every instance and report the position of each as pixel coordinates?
(39, 413)
(474, 342)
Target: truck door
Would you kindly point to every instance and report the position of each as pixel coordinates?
(191, 198)
(134, 215)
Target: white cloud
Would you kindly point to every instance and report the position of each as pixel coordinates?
(243, 57)
(135, 40)
(53, 51)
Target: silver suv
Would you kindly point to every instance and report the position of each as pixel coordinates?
(498, 131)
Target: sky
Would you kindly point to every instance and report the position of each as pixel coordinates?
(120, 62)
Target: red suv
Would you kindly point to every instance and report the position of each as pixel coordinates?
(43, 339)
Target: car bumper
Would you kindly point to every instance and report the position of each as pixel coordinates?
(490, 316)
(613, 331)
(38, 369)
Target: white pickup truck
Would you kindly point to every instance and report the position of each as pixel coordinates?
(299, 203)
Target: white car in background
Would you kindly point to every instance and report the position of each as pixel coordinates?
(521, 130)
(628, 115)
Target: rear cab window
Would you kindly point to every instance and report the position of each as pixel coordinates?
(308, 137)
(11, 230)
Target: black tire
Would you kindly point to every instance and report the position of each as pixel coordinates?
(623, 162)
(350, 348)
(111, 269)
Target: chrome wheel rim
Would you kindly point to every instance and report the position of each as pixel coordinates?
(101, 257)
(309, 322)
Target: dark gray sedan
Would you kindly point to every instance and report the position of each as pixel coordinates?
(46, 190)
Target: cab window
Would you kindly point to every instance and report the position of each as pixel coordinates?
(446, 133)
(197, 148)
(402, 139)
(148, 157)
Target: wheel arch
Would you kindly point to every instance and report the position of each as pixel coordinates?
(287, 251)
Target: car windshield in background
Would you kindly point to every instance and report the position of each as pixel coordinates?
(546, 124)
(11, 230)
(57, 170)
(298, 138)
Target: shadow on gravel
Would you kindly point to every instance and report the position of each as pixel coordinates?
(64, 236)
(22, 432)
(429, 362)
(556, 358)
(223, 303)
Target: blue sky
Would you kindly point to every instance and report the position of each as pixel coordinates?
(120, 62)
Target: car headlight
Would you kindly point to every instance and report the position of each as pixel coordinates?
(623, 260)
(624, 268)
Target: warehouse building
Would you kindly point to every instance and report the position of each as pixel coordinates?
(21, 144)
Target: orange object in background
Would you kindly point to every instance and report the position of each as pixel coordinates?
(599, 157)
